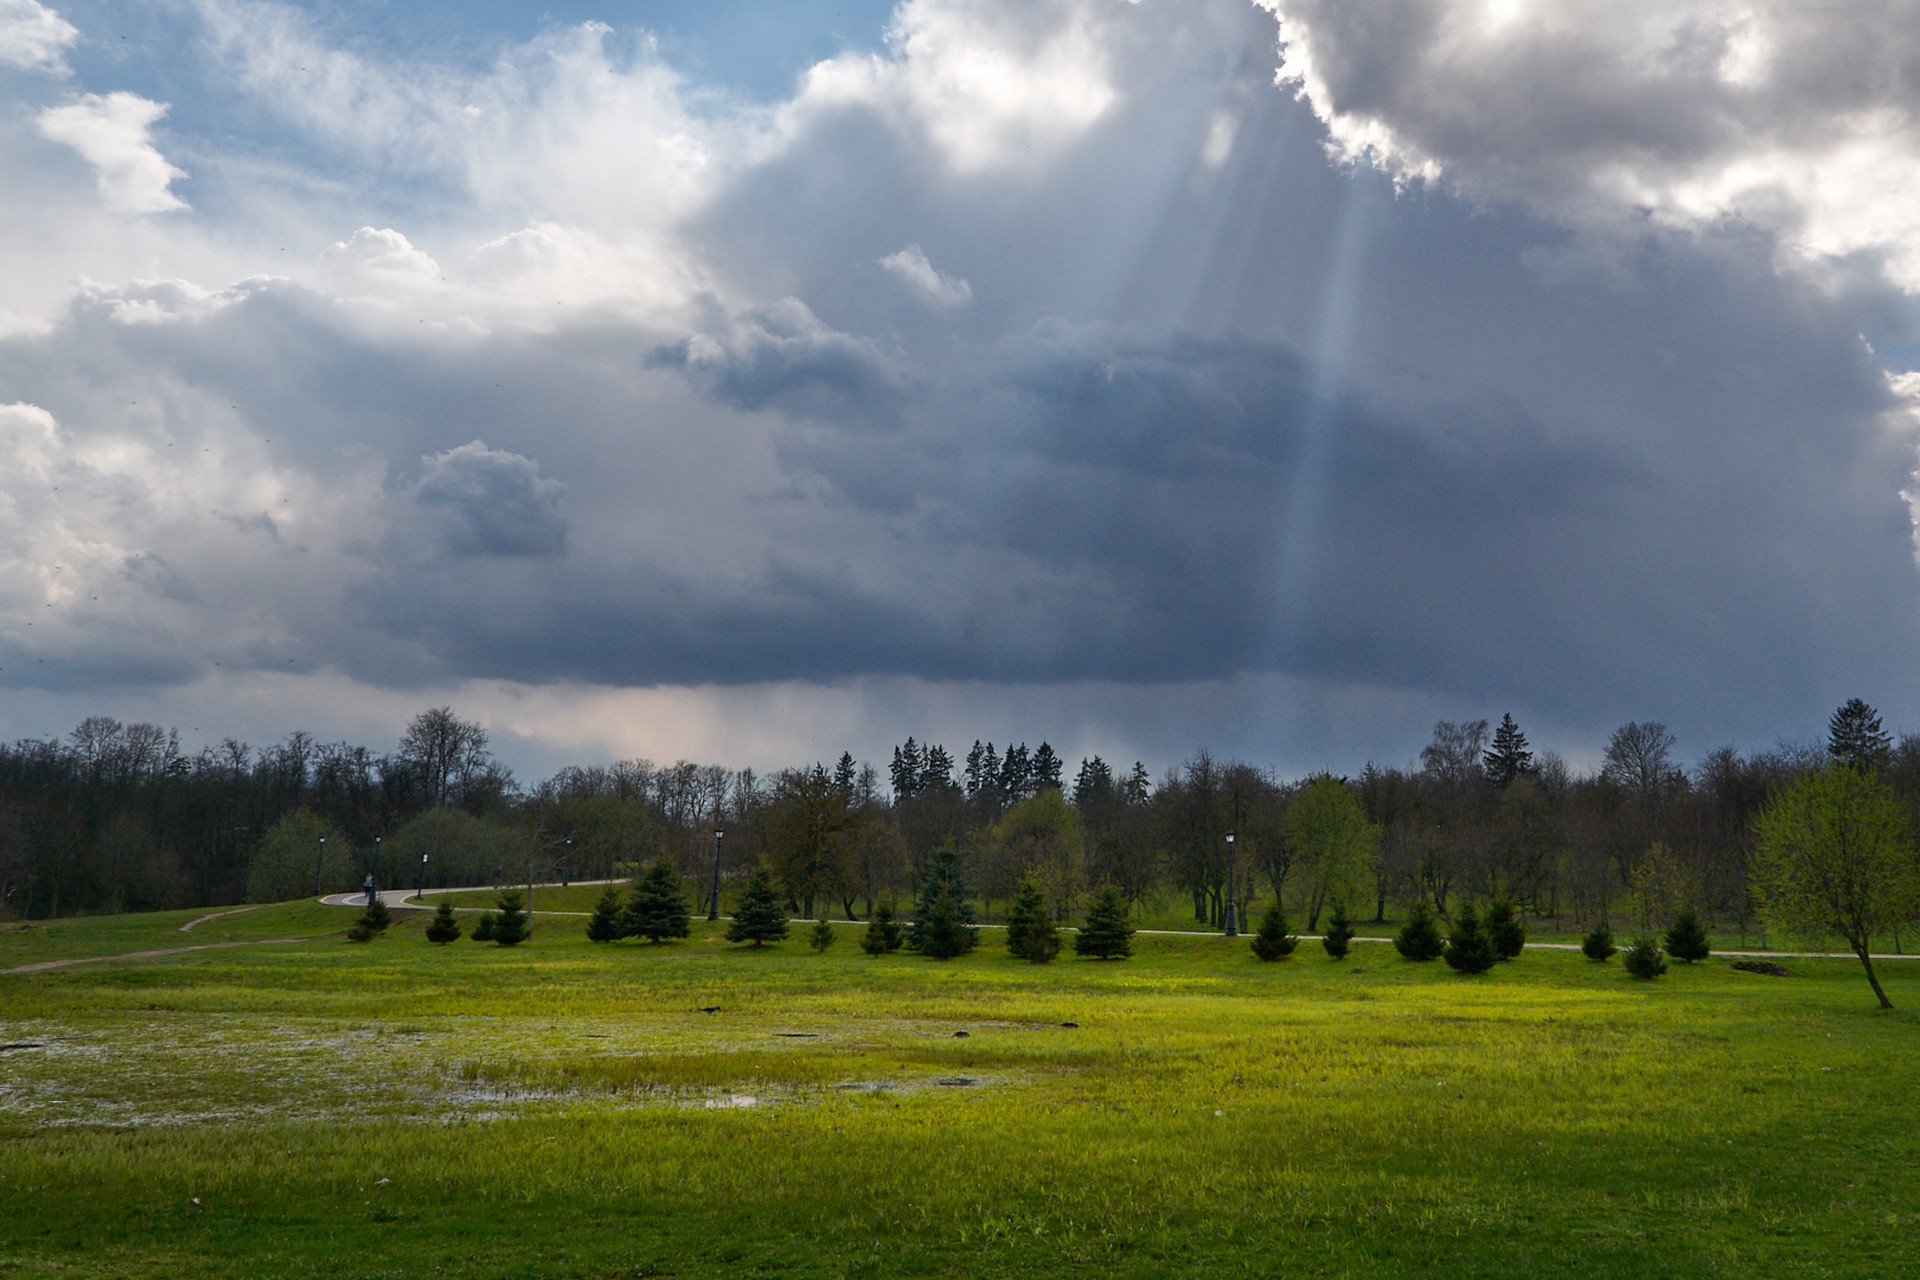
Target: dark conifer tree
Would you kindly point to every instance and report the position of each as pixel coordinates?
(759, 917)
(820, 937)
(1031, 933)
(1046, 769)
(1643, 959)
(1338, 939)
(1016, 772)
(443, 928)
(1106, 934)
(1419, 938)
(943, 918)
(1508, 757)
(1598, 946)
(1468, 949)
(977, 775)
(1855, 738)
(1094, 781)
(845, 774)
(660, 907)
(1274, 941)
(936, 772)
(905, 771)
(483, 928)
(511, 927)
(607, 923)
(883, 932)
(1687, 940)
(1139, 786)
(1505, 931)
(377, 917)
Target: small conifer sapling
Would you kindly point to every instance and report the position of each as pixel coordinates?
(1687, 939)
(1031, 934)
(1505, 931)
(660, 908)
(1598, 946)
(483, 928)
(820, 937)
(605, 924)
(1338, 939)
(443, 928)
(1274, 941)
(511, 927)
(1643, 959)
(759, 917)
(1468, 948)
(1419, 938)
(883, 932)
(1106, 933)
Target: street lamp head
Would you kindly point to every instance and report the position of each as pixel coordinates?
(717, 833)
(1229, 837)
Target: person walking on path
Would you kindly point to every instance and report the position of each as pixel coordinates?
(367, 884)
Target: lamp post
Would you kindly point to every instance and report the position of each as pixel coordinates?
(319, 860)
(423, 876)
(1232, 922)
(376, 871)
(713, 905)
(566, 865)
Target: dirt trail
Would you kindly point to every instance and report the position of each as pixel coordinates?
(39, 965)
(191, 925)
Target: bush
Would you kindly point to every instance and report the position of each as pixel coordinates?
(1505, 931)
(820, 937)
(511, 927)
(372, 922)
(443, 928)
(883, 932)
(1031, 934)
(758, 917)
(359, 932)
(1469, 950)
(660, 906)
(1419, 937)
(606, 924)
(1106, 934)
(1687, 940)
(483, 928)
(1338, 939)
(1274, 941)
(1598, 946)
(1643, 959)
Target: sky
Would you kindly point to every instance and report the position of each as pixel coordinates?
(749, 382)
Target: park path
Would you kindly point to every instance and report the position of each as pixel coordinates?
(41, 965)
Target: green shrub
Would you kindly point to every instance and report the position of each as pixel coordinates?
(820, 937)
(660, 906)
(1106, 933)
(606, 923)
(483, 928)
(1643, 959)
(1274, 941)
(443, 928)
(1687, 940)
(1468, 949)
(1419, 938)
(1505, 931)
(1338, 939)
(759, 917)
(1031, 934)
(883, 932)
(1598, 946)
(511, 926)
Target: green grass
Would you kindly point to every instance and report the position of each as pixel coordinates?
(565, 1109)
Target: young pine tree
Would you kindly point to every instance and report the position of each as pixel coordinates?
(1031, 934)
(483, 928)
(1505, 931)
(1419, 937)
(1687, 940)
(1598, 946)
(1468, 948)
(511, 927)
(759, 917)
(883, 932)
(606, 924)
(820, 937)
(660, 907)
(943, 924)
(1339, 936)
(443, 928)
(1643, 959)
(372, 922)
(1274, 941)
(1106, 934)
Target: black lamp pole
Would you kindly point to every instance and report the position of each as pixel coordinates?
(318, 860)
(1233, 922)
(713, 905)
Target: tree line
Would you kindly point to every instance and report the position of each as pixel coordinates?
(116, 817)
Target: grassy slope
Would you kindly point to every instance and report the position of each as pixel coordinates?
(565, 1109)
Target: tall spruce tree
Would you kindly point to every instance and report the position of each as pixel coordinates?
(606, 924)
(1508, 757)
(511, 925)
(1855, 738)
(845, 774)
(1419, 938)
(1016, 772)
(1468, 950)
(759, 917)
(943, 922)
(936, 773)
(1046, 768)
(1031, 934)
(1106, 934)
(659, 908)
(1274, 941)
(976, 776)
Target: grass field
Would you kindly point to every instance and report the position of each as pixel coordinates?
(565, 1109)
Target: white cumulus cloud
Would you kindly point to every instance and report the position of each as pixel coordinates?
(911, 267)
(114, 134)
(34, 37)
(1802, 120)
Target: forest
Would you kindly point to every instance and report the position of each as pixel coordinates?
(116, 817)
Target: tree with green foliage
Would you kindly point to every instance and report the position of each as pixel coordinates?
(1419, 938)
(1832, 856)
(483, 928)
(1274, 940)
(1855, 738)
(883, 932)
(1031, 934)
(1643, 959)
(372, 922)
(511, 925)
(300, 854)
(607, 922)
(443, 928)
(759, 917)
(1508, 759)
(943, 925)
(1598, 946)
(1468, 950)
(1106, 934)
(1505, 932)
(1332, 841)
(1338, 939)
(1687, 939)
(820, 937)
(659, 908)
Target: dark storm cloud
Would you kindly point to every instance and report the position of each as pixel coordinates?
(487, 502)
